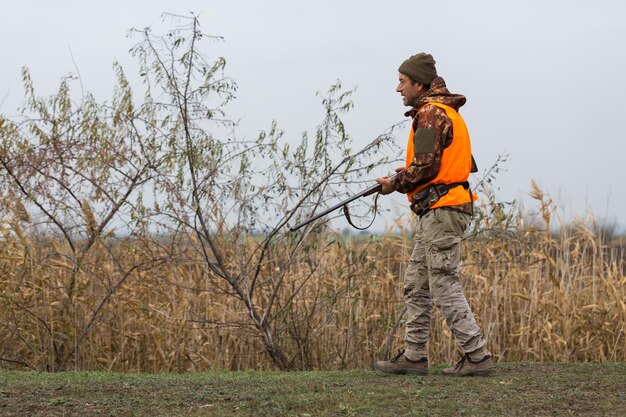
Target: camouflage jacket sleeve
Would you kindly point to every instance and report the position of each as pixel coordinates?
(433, 133)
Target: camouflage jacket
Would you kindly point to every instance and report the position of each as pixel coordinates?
(427, 160)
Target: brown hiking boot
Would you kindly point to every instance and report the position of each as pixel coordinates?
(400, 364)
(467, 367)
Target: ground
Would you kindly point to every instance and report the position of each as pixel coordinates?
(517, 389)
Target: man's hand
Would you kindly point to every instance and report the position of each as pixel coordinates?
(386, 182)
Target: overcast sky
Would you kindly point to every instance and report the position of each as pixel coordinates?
(544, 79)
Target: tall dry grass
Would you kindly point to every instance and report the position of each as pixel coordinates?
(544, 292)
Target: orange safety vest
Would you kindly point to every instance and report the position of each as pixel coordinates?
(456, 162)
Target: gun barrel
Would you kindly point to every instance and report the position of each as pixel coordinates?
(372, 190)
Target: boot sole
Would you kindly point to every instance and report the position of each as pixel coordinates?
(404, 371)
(480, 372)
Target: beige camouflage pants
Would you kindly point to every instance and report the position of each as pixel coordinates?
(432, 276)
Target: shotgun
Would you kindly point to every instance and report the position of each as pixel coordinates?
(372, 190)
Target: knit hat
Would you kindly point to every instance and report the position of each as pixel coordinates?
(420, 67)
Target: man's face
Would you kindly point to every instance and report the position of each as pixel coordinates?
(409, 90)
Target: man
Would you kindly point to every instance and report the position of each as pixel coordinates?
(438, 164)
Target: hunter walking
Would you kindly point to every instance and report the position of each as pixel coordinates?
(438, 164)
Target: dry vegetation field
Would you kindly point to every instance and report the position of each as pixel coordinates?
(541, 293)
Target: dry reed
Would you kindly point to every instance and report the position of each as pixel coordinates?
(137, 306)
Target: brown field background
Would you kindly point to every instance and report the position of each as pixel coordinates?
(540, 293)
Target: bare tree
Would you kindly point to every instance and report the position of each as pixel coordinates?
(80, 170)
(236, 196)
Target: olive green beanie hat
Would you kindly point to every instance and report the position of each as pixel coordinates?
(420, 67)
